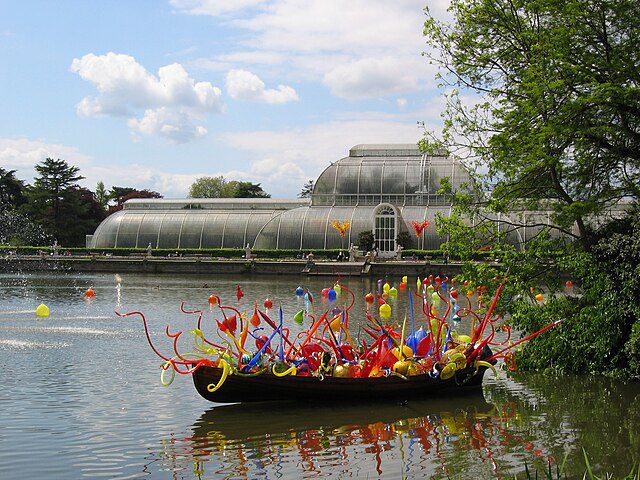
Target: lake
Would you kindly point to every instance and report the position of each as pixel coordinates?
(81, 396)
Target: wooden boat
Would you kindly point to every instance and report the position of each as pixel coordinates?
(267, 387)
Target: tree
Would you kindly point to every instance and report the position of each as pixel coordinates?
(56, 176)
(66, 211)
(247, 190)
(307, 190)
(47, 198)
(118, 193)
(556, 114)
(366, 240)
(211, 187)
(131, 193)
(219, 187)
(11, 189)
(555, 120)
(102, 197)
(404, 239)
(80, 214)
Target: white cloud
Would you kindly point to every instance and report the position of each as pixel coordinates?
(172, 102)
(370, 77)
(244, 85)
(174, 125)
(22, 154)
(360, 48)
(402, 102)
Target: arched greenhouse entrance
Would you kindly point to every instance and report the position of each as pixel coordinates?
(385, 229)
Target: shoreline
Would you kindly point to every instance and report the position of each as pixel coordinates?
(208, 266)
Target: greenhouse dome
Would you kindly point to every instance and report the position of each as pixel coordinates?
(378, 188)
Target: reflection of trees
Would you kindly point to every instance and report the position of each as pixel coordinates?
(570, 413)
(438, 439)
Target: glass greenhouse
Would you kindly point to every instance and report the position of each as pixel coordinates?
(381, 188)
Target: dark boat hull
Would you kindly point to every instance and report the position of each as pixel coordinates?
(268, 387)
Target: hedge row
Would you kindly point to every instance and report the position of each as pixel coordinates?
(168, 252)
(224, 252)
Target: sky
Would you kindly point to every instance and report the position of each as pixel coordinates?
(154, 94)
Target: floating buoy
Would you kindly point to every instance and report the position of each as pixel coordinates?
(268, 304)
(89, 293)
(332, 295)
(213, 300)
(42, 310)
(299, 291)
(454, 294)
(325, 292)
(369, 298)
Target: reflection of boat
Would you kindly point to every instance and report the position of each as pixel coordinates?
(242, 421)
(267, 386)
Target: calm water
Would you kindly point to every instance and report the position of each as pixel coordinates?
(80, 396)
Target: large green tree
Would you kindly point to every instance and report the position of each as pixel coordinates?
(545, 96)
(66, 211)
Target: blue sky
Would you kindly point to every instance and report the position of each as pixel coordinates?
(153, 94)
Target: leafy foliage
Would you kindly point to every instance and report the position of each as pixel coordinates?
(11, 190)
(307, 190)
(248, 190)
(102, 196)
(366, 240)
(65, 211)
(219, 187)
(404, 239)
(601, 333)
(556, 113)
(130, 194)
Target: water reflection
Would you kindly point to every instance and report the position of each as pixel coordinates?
(445, 438)
(80, 394)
